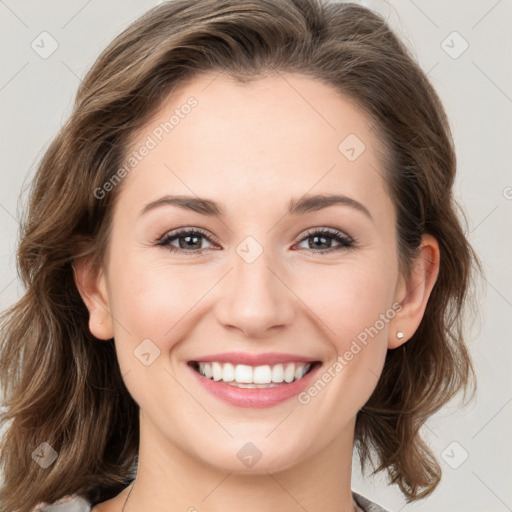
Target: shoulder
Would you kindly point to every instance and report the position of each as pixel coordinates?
(71, 503)
(366, 505)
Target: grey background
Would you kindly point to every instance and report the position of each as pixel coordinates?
(36, 95)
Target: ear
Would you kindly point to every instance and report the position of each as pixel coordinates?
(413, 293)
(91, 284)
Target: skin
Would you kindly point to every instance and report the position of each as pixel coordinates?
(252, 148)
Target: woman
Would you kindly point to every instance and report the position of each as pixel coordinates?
(242, 259)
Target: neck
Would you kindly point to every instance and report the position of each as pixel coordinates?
(169, 478)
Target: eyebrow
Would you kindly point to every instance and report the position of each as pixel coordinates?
(305, 204)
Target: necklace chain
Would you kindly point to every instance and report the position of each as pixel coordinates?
(126, 501)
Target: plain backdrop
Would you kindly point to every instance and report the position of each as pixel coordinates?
(466, 49)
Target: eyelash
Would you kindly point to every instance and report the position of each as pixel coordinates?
(345, 241)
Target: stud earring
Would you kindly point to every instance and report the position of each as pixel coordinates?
(399, 335)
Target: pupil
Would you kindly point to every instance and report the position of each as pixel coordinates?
(316, 238)
(188, 238)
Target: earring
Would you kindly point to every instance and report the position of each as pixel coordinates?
(399, 335)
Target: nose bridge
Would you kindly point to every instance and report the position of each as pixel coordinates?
(254, 299)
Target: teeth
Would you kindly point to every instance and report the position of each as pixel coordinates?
(277, 373)
(228, 372)
(289, 373)
(254, 376)
(208, 371)
(243, 373)
(253, 386)
(300, 371)
(262, 375)
(217, 371)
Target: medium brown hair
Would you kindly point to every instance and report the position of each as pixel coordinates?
(63, 387)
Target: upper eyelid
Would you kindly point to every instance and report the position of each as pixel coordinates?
(327, 231)
(184, 230)
(303, 235)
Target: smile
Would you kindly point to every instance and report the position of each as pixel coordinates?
(254, 386)
(242, 375)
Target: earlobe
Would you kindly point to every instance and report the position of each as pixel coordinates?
(415, 292)
(92, 288)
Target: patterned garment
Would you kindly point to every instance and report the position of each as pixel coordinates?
(72, 503)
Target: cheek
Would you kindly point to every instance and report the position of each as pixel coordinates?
(349, 297)
(152, 300)
(156, 303)
(163, 302)
(354, 304)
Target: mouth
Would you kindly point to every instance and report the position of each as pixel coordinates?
(254, 377)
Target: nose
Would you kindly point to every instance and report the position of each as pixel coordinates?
(254, 297)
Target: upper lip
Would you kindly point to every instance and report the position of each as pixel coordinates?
(269, 358)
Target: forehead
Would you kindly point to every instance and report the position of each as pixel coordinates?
(224, 139)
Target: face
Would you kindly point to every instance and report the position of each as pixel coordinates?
(258, 276)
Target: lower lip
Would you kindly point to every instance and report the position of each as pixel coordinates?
(252, 397)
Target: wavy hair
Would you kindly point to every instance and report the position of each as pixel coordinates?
(63, 387)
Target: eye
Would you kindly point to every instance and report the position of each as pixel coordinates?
(322, 237)
(189, 241)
